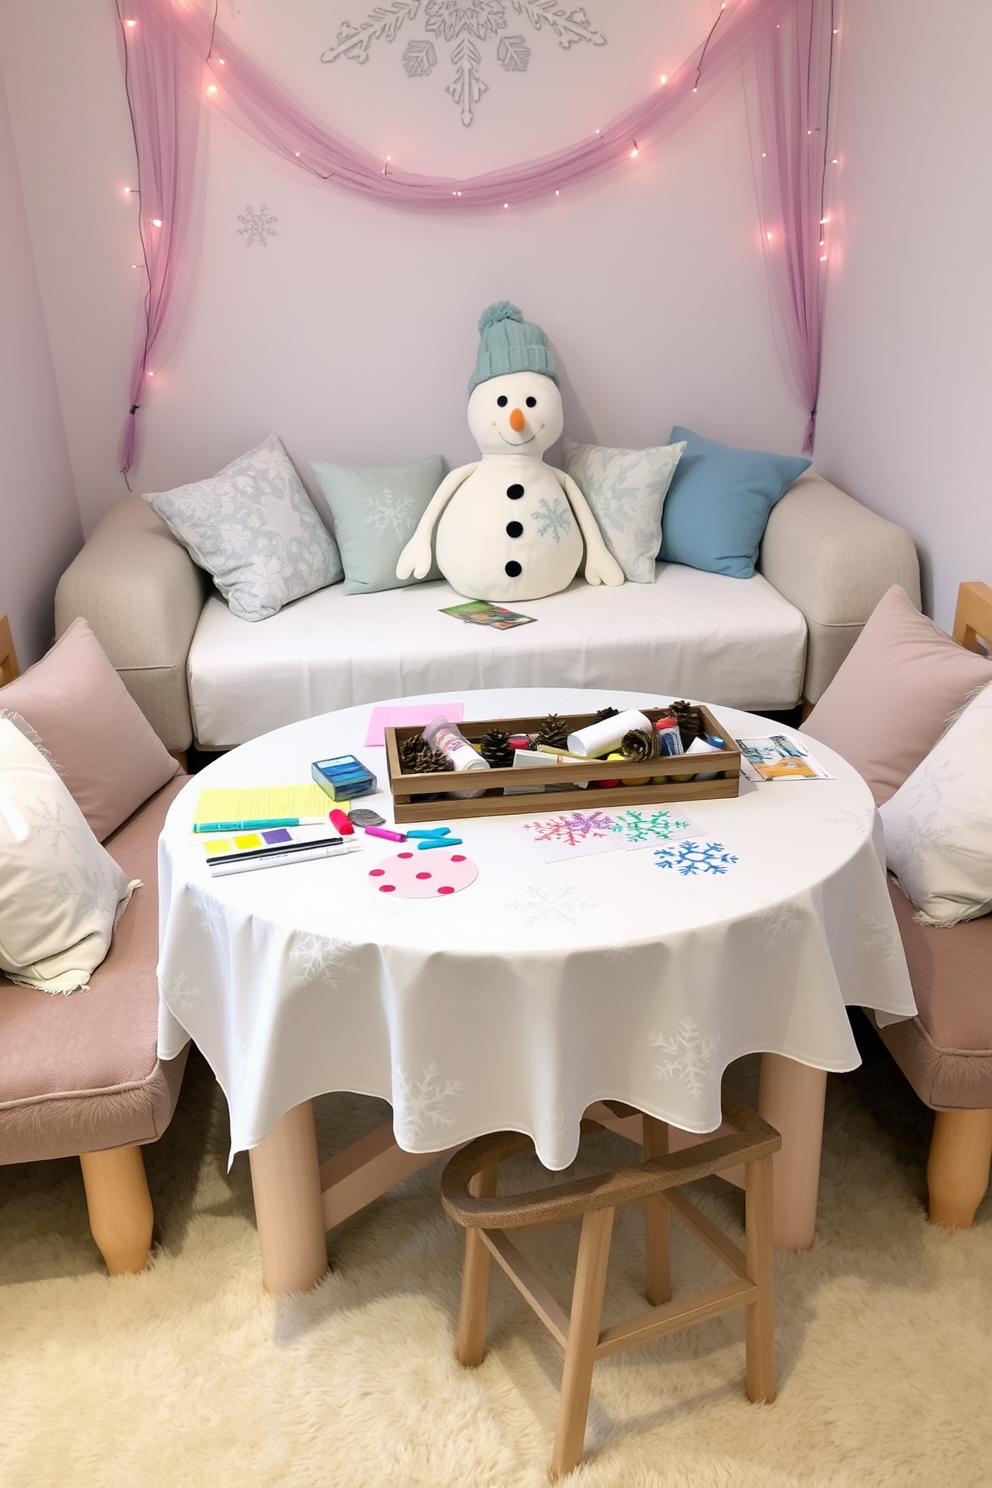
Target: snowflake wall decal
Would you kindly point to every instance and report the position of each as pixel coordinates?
(257, 226)
(464, 22)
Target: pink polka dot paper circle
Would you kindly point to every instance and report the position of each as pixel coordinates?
(433, 875)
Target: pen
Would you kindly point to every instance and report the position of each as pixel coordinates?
(267, 857)
(256, 824)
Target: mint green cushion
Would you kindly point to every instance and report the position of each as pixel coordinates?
(375, 514)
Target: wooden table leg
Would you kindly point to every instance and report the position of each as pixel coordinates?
(289, 1211)
(790, 1097)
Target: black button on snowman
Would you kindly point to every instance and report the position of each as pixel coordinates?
(515, 415)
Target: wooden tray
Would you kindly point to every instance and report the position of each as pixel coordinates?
(406, 788)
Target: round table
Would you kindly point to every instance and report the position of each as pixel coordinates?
(636, 974)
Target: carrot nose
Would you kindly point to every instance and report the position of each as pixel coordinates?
(517, 421)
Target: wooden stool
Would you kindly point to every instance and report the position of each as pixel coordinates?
(468, 1189)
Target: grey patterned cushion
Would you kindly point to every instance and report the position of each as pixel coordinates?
(253, 528)
(626, 489)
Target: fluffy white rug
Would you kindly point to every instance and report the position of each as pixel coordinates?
(191, 1375)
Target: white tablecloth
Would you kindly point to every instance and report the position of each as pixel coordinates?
(542, 987)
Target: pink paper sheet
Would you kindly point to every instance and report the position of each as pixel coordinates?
(405, 714)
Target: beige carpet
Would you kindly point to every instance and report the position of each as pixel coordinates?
(191, 1375)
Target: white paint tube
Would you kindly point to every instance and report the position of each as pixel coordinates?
(603, 737)
(446, 736)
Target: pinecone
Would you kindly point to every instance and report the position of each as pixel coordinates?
(606, 713)
(495, 749)
(554, 732)
(417, 757)
(690, 721)
(639, 744)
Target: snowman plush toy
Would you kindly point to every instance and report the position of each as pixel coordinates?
(510, 527)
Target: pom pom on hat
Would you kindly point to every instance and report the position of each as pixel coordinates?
(510, 344)
(493, 314)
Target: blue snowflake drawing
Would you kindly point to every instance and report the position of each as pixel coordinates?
(553, 517)
(257, 226)
(695, 857)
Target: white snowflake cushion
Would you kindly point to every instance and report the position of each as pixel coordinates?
(62, 893)
(253, 528)
(626, 489)
(938, 825)
(376, 511)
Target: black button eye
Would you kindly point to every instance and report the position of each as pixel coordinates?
(531, 402)
(502, 401)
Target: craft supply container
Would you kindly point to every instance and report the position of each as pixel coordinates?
(675, 772)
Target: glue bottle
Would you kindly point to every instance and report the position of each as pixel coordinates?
(448, 737)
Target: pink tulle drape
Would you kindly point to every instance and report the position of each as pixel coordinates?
(177, 60)
(793, 65)
(162, 78)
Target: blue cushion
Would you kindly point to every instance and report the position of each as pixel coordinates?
(719, 501)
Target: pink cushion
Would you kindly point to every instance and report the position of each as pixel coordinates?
(99, 740)
(889, 703)
(945, 1052)
(82, 1073)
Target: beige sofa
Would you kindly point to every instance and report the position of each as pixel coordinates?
(201, 676)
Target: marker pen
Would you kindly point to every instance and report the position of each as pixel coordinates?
(386, 833)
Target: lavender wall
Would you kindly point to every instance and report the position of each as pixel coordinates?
(39, 520)
(352, 332)
(907, 377)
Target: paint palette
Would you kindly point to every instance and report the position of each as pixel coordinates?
(415, 875)
(268, 837)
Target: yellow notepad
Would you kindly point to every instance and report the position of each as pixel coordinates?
(263, 803)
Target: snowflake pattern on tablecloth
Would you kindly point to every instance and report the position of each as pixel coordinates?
(879, 934)
(463, 22)
(690, 858)
(860, 820)
(553, 516)
(209, 913)
(316, 958)
(576, 827)
(619, 950)
(257, 226)
(688, 1055)
(178, 993)
(390, 514)
(779, 921)
(420, 1104)
(649, 826)
(550, 904)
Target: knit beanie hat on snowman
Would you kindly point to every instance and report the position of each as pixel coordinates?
(510, 344)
